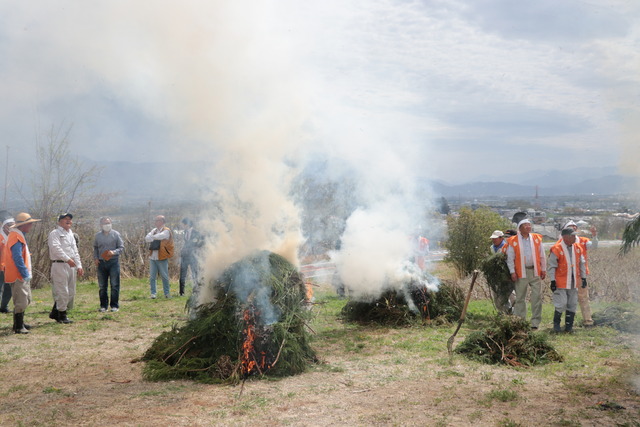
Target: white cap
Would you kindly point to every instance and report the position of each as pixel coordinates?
(8, 220)
(570, 223)
(496, 234)
(524, 221)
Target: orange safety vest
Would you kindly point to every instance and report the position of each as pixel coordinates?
(11, 273)
(563, 271)
(2, 242)
(582, 242)
(520, 268)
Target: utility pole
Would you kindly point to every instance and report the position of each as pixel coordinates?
(6, 181)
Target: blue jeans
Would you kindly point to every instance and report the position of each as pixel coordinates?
(109, 271)
(162, 267)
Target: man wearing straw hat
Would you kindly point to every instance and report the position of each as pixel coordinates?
(17, 260)
(65, 263)
(528, 267)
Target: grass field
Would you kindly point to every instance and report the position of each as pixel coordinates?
(87, 373)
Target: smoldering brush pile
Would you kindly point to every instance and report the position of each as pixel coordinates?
(256, 325)
(407, 306)
(619, 318)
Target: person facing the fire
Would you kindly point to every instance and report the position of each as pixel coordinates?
(65, 267)
(527, 265)
(188, 254)
(17, 261)
(107, 248)
(160, 241)
(567, 271)
(583, 293)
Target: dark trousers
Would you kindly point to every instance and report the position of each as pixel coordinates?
(5, 291)
(187, 261)
(109, 271)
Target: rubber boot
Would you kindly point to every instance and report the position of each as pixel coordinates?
(54, 313)
(62, 317)
(568, 321)
(18, 324)
(557, 317)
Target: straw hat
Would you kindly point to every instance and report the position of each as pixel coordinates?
(23, 218)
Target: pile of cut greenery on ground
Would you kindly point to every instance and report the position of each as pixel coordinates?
(620, 318)
(508, 340)
(409, 305)
(261, 296)
(496, 272)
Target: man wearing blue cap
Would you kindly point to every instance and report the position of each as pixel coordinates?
(65, 266)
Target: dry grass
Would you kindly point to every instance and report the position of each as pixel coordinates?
(81, 374)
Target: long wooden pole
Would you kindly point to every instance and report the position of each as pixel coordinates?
(464, 313)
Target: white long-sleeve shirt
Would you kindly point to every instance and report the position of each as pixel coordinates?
(62, 246)
(156, 234)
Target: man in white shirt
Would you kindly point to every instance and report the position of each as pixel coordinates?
(160, 240)
(527, 264)
(65, 266)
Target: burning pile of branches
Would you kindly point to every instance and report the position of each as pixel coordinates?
(509, 341)
(257, 324)
(496, 272)
(413, 301)
(620, 318)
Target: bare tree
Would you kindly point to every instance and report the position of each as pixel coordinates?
(59, 183)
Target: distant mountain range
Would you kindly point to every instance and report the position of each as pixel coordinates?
(578, 181)
(175, 179)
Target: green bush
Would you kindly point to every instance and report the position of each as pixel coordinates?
(468, 240)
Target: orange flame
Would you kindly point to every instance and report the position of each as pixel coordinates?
(249, 361)
(309, 292)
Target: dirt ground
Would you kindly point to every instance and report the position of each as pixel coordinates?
(83, 374)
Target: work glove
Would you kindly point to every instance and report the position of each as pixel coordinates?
(584, 283)
(553, 286)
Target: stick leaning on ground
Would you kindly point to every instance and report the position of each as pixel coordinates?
(463, 314)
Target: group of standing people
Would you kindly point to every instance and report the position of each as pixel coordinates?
(66, 265)
(566, 267)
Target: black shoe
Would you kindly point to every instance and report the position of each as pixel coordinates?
(54, 313)
(62, 318)
(4, 310)
(534, 328)
(18, 324)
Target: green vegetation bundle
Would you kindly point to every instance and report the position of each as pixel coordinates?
(405, 307)
(508, 340)
(496, 272)
(622, 319)
(257, 324)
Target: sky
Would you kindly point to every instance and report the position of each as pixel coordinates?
(452, 89)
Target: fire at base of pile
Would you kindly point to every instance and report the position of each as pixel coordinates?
(413, 302)
(510, 341)
(496, 272)
(256, 325)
